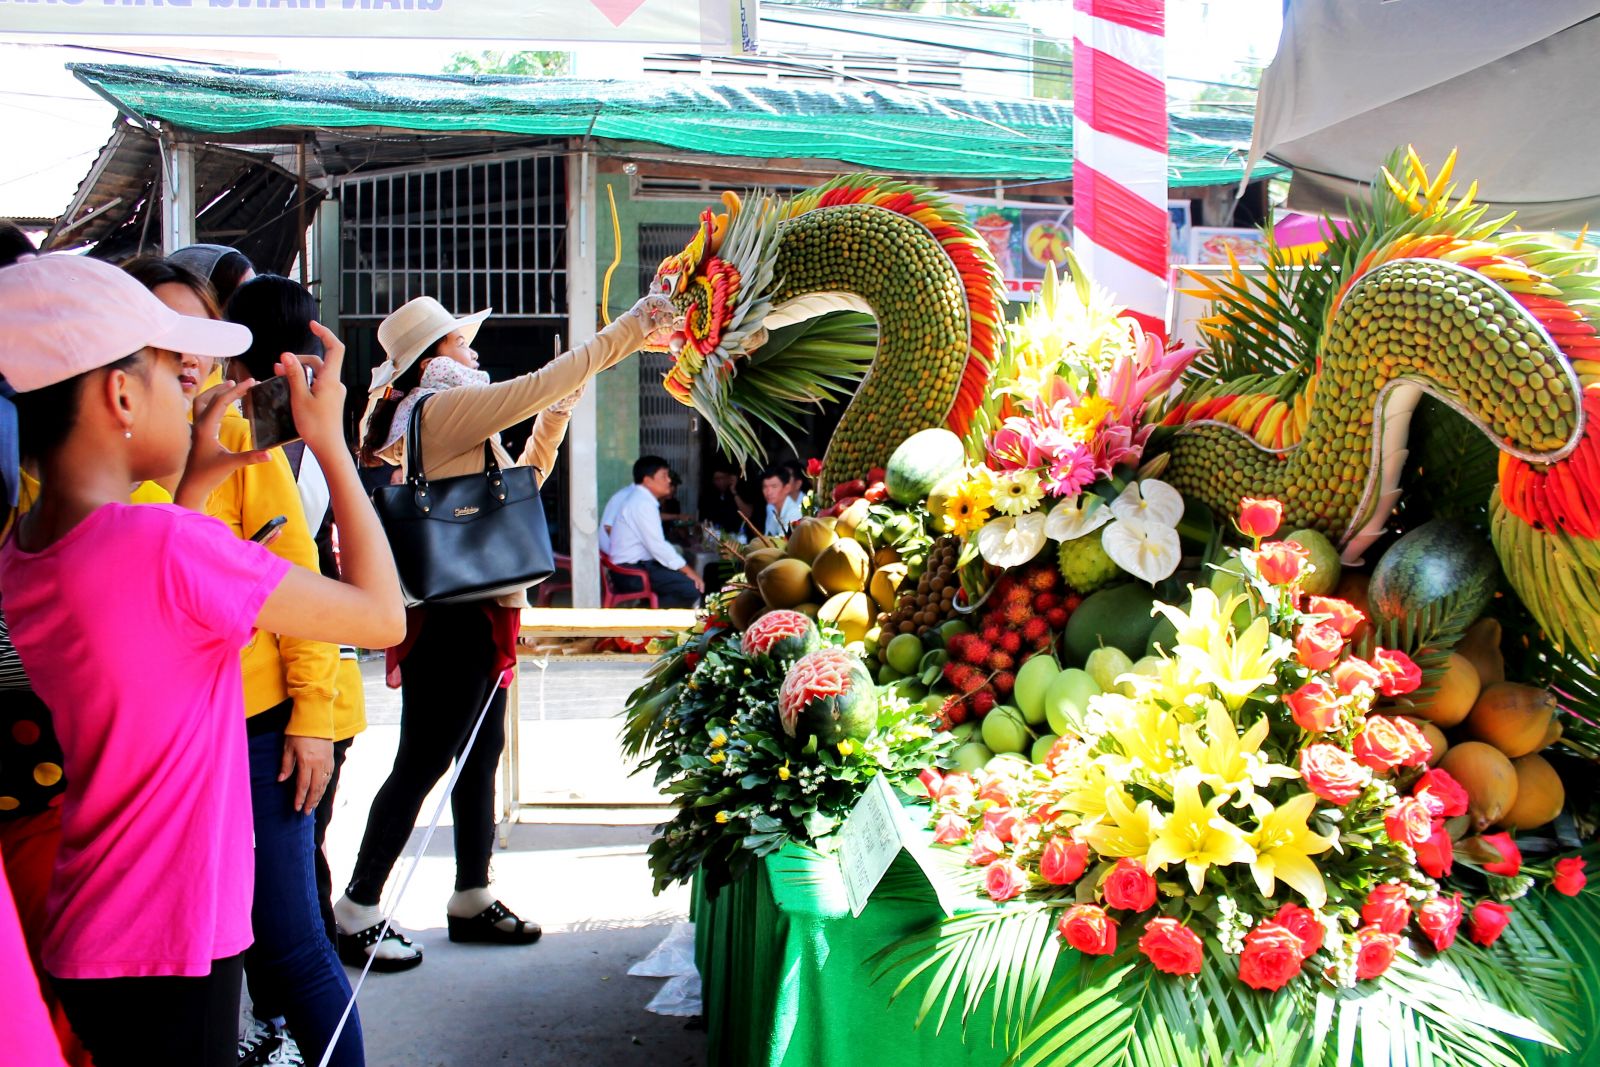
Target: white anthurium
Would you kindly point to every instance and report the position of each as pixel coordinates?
(1071, 519)
(1150, 501)
(1011, 542)
(1144, 549)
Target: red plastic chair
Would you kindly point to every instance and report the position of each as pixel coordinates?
(548, 591)
(610, 597)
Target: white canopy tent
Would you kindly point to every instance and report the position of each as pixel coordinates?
(1515, 86)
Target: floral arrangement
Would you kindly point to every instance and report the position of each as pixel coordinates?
(723, 726)
(1062, 433)
(1247, 815)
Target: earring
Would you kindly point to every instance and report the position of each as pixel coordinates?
(128, 434)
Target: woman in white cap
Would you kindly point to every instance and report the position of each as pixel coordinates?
(454, 655)
(130, 619)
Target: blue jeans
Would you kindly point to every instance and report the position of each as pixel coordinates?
(292, 962)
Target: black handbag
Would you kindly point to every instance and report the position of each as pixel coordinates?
(475, 537)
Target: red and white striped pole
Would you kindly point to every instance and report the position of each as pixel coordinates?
(1119, 138)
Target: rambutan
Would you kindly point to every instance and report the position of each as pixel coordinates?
(950, 669)
(983, 702)
(967, 680)
(1004, 586)
(993, 632)
(977, 652)
(1057, 618)
(1011, 641)
(1034, 629)
(1072, 601)
(1045, 602)
(1018, 613)
(1044, 641)
(1018, 594)
(1043, 579)
(1000, 660)
(954, 711)
(1004, 682)
(957, 645)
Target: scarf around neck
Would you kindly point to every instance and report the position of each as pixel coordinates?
(440, 374)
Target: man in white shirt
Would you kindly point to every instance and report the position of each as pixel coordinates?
(631, 534)
(783, 506)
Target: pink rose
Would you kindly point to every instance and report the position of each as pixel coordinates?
(1398, 675)
(1259, 518)
(1355, 672)
(1497, 854)
(1386, 742)
(957, 787)
(999, 792)
(1004, 880)
(1409, 822)
(1130, 886)
(931, 780)
(951, 829)
(1087, 928)
(1489, 921)
(1281, 562)
(1346, 617)
(1375, 950)
(1331, 773)
(1064, 860)
(1387, 908)
(1172, 947)
(1318, 646)
(1002, 822)
(1315, 707)
(986, 848)
(1437, 854)
(1443, 795)
(1439, 917)
(1303, 921)
(1570, 876)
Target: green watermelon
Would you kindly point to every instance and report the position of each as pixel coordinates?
(1440, 558)
(829, 694)
(922, 461)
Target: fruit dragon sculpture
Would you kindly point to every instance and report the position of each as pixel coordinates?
(1309, 387)
(761, 284)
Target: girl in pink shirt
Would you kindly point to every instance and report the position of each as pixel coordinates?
(129, 621)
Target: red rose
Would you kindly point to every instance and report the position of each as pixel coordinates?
(1570, 877)
(1437, 854)
(1354, 673)
(931, 780)
(1331, 773)
(1314, 706)
(1409, 822)
(1259, 518)
(951, 829)
(986, 848)
(1399, 675)
(1345, 616)
(999, 792)
(1387, 741)
(1004, 880)
(1375, 950)
(1443, 795)
(1317, 646)
(1497, 854)
(1130, 886)
(1087, 928)
(1002, 822)
(1489, 921)
(1064, 860)
(1439, 917)
(1281, 562)
(1272, 955)
(1303, 921)
(1387, 908)
(1172, 947)
(813, 467)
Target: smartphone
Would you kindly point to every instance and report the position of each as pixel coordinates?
(268, 528)
(266, 406)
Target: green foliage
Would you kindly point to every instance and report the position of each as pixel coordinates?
(529, 64)
(1451, 469)
(1428, 635)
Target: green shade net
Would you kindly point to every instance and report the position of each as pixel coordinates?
(891, 130)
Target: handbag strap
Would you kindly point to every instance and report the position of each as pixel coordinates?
(419, 480)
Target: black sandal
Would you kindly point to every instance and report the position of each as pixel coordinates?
(483, 928)
(353, 950)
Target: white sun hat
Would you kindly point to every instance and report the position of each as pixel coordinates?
(406, 334)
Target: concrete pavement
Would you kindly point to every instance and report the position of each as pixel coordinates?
(568, 1000)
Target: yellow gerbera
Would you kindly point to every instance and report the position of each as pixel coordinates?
(969, 506)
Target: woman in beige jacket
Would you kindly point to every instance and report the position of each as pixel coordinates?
(455, 654)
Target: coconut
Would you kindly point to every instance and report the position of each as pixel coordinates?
(807, 537)
(850, 613)
(842, 567)
(759, 560)
(785, 583)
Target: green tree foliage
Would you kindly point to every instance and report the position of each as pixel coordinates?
(532, 64)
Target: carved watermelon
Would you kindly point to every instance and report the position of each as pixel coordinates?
(828, 693)
(781, 635)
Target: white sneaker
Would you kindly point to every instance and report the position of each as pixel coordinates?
(259, 1042)
(287, 1054)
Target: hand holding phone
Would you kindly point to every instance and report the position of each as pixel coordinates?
(268, 409)
(269, 530)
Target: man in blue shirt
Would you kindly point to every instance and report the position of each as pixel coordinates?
(631, 534)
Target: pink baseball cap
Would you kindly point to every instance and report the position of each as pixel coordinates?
(64, 315)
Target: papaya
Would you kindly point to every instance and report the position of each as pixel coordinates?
(1488, 777)
(785, 583)
(1438, 559)
(1513, 718)
(807, 538)
(1118, 616)
(1438, 744)
(1481, 646)
(842, 567)
(1454, 696)
(1540, 794)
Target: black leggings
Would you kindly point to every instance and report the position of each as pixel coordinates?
(176, 1022)
(445, 680)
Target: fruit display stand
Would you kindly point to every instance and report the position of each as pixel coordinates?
(1252, 689)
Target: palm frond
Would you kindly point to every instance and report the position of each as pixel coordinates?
(1427, 634)
(1450, 472)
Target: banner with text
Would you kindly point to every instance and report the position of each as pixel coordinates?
(703, 25)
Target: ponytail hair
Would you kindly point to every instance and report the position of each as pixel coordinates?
(382, 420)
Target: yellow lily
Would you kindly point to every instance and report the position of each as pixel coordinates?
(1195, 834)
(1227, 761)
(1145, 735)
(1237, 664)
(1205, 621)
(1084, 788)
(1284, 845)
(1127, 829)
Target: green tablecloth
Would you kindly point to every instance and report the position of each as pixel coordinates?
(786, 981)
